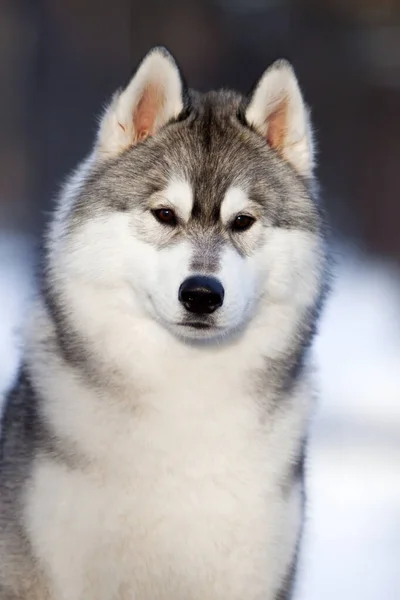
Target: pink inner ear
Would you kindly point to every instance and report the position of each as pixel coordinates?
(148, 108)
(276, 126)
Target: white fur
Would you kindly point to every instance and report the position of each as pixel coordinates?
(179, 196)
(177, 495)
(235, 201)
(138, 275)
(179, 486)
(277, 85)
(117, 127)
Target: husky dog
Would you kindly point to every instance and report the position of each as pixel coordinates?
(152, 448)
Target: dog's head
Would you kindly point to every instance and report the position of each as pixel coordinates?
(197, 206)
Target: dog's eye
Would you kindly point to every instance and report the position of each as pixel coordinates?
(165, 216)
(242, 222)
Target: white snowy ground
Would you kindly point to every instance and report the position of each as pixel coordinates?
(352, 541)
(352, 549)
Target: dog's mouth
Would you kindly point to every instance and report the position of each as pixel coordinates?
(196, 325)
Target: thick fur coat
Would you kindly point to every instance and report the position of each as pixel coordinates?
(153, 446)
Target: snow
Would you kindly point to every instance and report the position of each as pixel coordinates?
(352, 535)
(352, 541)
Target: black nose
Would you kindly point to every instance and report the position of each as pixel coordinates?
(201, 295)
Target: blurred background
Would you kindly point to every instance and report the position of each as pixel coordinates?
(60, 60)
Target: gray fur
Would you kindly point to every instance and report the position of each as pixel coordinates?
(213, 148)
(23, 437)
(287, 590)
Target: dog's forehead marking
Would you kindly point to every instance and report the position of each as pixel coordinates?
(234, 201)
(179, 194)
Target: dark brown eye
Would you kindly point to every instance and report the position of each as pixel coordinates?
(242, 222)
(165, 216)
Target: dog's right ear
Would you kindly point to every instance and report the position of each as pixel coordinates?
(154, 96)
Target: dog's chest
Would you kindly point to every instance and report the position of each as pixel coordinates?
(181, 490)
(195, 448)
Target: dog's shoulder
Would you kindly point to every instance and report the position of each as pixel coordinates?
(19, 419)
(24, 432)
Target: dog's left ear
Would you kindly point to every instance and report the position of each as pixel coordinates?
(276, 110)
(154, 96)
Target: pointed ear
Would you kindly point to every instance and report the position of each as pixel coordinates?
(277, 111)
(155, 95)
